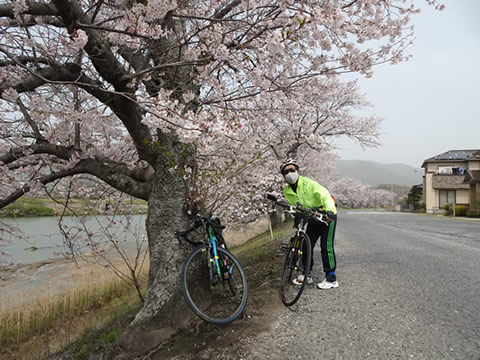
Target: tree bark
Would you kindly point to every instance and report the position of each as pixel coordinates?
(164, 309)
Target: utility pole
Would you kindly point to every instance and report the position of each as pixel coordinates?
(392, 193)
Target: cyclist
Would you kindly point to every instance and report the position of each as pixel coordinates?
(312, 195)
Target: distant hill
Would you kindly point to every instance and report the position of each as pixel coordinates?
(373, 173)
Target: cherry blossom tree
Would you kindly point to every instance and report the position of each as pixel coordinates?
(327, 113)
(157, 98)
(352, 193)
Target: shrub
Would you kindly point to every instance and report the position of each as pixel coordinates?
(448, 209)
(460, 210)
(473, 214)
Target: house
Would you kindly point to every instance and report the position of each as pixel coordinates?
(473, 179)
(452, 177)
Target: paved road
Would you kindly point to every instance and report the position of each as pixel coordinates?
(409, 289)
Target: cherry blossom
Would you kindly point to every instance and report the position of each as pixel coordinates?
(187, 104)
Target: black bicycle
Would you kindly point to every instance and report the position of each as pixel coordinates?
(213, 281)
(299, 251)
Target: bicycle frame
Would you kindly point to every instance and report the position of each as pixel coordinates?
(213, 246)
(303, 224)
(301, 227)
(228, 302)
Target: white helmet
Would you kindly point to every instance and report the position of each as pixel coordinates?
(288, 162)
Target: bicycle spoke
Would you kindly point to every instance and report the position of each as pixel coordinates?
(293, 267)
(222, 299)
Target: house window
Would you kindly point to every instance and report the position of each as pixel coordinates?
(447, 196)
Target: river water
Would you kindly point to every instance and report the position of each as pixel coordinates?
(40, 238)
(37, 251)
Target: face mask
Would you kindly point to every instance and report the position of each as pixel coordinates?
(291, 177)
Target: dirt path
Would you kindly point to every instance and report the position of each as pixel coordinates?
(206, 341)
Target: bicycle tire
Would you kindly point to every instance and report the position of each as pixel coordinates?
(221, 301)
(292, 267)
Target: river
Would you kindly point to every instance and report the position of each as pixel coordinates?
(40, 239)
(37, 252)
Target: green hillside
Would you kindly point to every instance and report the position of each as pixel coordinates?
(373, 173)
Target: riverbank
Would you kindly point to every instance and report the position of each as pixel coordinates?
(89, 331)
(44, 206)
(45, 306)
(25, 284)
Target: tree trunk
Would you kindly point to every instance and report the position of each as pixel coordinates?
(165, 215)
(164, 309)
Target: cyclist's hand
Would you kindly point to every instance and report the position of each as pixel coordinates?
(330, 216)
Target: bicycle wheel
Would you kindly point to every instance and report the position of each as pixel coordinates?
(216, 294)
(294, 265)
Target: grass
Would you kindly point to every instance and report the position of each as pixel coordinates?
(22, 208)
(93, 340)
(47, 314)
(43, 206)
(112, 300)
(254, 246)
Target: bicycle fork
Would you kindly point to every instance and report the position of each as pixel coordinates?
(302, 228)
(217, 265)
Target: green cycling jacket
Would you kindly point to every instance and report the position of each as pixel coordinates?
(310, 194)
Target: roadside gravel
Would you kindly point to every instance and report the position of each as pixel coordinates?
(409, 289)
(397, 297)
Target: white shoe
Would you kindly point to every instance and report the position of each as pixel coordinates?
(299, 280)
(325, 285)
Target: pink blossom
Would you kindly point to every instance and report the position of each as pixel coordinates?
(19, 7)
(10, 94)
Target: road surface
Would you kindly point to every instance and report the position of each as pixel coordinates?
(409, 289)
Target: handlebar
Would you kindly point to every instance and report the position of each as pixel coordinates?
(300, 211)
(205, 220)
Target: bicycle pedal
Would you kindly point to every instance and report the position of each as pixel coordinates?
(284, 247)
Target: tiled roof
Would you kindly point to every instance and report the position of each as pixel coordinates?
(450, 155)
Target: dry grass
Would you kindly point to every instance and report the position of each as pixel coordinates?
(38, 311)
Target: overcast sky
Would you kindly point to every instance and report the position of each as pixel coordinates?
(429, 104)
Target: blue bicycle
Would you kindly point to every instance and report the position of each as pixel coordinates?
(213, 281)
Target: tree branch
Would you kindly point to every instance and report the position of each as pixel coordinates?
(34, 8)
(219, 14)
(44, 180)
(122, 104)
(30, 20)
(59, 151)
(97, 46)
(24, 60)
(36, 132)
(68, 72)
(116, 175)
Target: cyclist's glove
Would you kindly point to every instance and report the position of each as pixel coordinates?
(330, 214)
